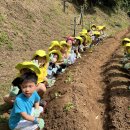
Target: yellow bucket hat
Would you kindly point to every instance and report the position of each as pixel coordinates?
(56, 52)
(93, 26)
(101, 28)
(126, 40)
(64, 43)
(29, 65)
(53, 44)
(41, 53)
(127, 44)
(79, 38)
(96, 33)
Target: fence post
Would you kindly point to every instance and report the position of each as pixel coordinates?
(74, 26)
(82, 21)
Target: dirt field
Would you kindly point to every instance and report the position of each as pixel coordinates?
(92, 94)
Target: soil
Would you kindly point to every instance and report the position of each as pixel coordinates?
(96, 88)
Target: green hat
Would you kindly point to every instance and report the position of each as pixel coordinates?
(29, 65)
(56, 52)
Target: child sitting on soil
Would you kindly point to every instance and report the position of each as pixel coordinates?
(23, 67)
(75, 47)
(23, 116)
(126, 57)
(55, 57)
(42, 59)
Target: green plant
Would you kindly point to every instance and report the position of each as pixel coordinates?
(68, 106)
(57, 94)
(1, 18)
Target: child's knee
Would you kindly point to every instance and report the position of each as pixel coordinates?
(41, 87)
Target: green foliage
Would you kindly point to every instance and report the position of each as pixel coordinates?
(112, 4)
(4, 39)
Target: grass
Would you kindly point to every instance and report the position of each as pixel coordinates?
(2, 18)
(4, 39)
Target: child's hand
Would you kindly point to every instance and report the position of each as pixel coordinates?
(41, 123)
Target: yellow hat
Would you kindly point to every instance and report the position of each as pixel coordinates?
(56, 52)
(53, 44)
(93, 25)
(41, 53)
(126, 40)
(64, 43)
(29, 65)
(80, 39)
(101, 28)
(83, 34)
(127, 45)
(96, 33)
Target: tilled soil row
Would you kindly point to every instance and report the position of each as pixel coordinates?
(79, 99)
(118, 95)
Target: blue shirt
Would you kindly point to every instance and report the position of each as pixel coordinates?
(22, 104)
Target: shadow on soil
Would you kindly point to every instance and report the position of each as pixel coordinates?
(116, 84)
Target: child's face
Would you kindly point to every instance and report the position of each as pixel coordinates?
(41, 60)
(65, 48)
(28, 87)
(24, 70)
(55, 58)
(56, 48)
(76, 42)
(70, 42)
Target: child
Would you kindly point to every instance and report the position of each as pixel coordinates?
(95, 37)
(65, 57)
(93, 27)
(84, 44)
(75, 47)
(124, 42)
(55, 57)
(21, 117)
(23, 67)
(42, 59)
(126, 57)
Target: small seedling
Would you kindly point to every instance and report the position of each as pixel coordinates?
(57, 94)
(68, 106)
(69, 78)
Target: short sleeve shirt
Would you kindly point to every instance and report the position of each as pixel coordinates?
(22, 104)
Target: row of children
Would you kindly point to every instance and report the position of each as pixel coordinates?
(36, 75)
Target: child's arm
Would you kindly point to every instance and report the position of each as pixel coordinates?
(36, 105)
(27, 117)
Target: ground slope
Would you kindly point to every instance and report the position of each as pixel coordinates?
(82, 86)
